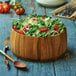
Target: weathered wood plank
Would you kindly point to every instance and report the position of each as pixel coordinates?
(31, 7)
(65, 67)
(5, 27)
(60, 67)
(75, 23)
(5, 72)
(5, 23)
(35, 69)
(28, 9)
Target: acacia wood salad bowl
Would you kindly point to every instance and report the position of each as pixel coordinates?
(38, 48)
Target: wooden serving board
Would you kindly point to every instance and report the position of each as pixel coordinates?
(72, 17)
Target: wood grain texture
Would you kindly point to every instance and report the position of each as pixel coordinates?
(63, 67)
(5, 27)
(60, 67)
(4, 33)
(39, 69)
(35, 69)
(35, 6)
(38, 48)
(66, 67)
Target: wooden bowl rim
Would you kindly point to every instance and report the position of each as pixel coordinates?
(41, 37)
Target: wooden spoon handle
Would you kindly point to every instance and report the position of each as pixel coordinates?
(6, 62)
(9, 58)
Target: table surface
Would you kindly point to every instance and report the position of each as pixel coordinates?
(64, 66)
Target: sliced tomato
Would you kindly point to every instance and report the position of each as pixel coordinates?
(27, 26)
(34, 18)
(24, 28)
(25, 18)
(42, 17)
(43, 29)
(20, 31)
(56, 27)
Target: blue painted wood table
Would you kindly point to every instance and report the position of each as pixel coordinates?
(65, 66)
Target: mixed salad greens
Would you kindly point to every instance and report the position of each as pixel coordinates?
(38, 26)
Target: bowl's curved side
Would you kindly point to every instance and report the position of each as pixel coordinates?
(51, 2)
(38, 48)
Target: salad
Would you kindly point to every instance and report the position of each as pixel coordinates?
(38, 26)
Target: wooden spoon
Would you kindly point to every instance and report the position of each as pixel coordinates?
(17, 64)
(6, 61)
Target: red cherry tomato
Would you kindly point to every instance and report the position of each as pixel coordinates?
(15, 27)
(34, 18)
(6, 7)
(17, 11)
(22, 10)
(43, 29)
(1, 9)
(20, 31)
(56, 27)
(16, 7)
